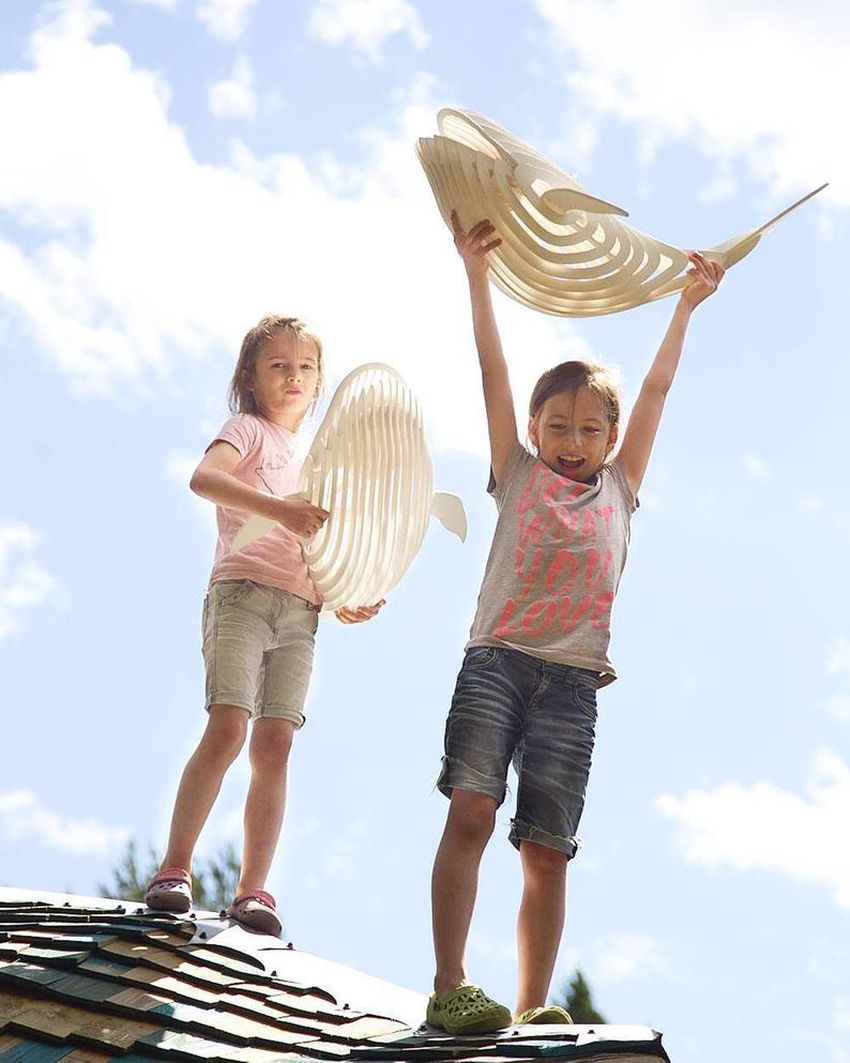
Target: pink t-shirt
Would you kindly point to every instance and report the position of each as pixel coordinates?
(271, 462)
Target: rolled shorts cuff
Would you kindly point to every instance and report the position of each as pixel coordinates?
(237, 700)
(271, 712)
(454, 774)
(527, 832)
(283, 712)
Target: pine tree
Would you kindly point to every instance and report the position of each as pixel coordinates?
(579, 1002)
(213, 882)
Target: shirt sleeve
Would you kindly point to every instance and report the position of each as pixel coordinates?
(240, 432)
(624, 487)
(517, 459)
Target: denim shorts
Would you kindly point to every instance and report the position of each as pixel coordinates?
(508, 705)
(258, 649)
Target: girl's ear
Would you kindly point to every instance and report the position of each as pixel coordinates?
(533, 433)
(612, 440)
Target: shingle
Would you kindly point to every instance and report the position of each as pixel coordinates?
(26, 1051)
(23, 973)
(52, 1018)
(110, 1032)
(135, 1000)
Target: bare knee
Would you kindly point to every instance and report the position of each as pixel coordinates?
(471, 816)
(225, 734)
(271, 743)
(541, 860)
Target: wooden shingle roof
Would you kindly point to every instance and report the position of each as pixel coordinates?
(84, 980)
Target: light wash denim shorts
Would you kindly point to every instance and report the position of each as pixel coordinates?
(258, 649)
(510, 706)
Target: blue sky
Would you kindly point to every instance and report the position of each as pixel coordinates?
(174, 169)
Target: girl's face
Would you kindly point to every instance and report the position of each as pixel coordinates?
(285, 378)
(572, 434)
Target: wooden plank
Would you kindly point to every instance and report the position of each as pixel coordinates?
(369, 1026)
(136, 1000)
(212, 957)
(51, 1018)
(168, 986)
(31, 1051)
(112, 1031)
(175, 962)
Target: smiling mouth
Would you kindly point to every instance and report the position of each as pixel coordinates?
(568, 461)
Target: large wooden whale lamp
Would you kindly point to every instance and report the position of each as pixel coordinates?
(563, 250)
(369, 465)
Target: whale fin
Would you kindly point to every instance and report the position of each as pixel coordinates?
(255, 527)
(732, 251)
(449, 511)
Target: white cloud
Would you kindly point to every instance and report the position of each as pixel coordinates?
(24, 582)
(234, 97)
(225, 18)
(721, 186)
(741, 79)
(755, 466)
(764, 827)
(838, 706)
(842, 1013)
(367, 24)
(135, 256)
(810, 503)
(620, 957)
(838, 665)
(23, 816)
(839, 657)
(179, 466)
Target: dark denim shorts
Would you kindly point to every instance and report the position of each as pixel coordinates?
(508, 705)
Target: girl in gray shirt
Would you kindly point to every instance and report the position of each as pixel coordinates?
(538, 649)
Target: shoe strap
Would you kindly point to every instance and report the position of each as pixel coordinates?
(256, 895)
(171, 874)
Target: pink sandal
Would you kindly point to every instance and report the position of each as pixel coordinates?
(170, 890)
(256, 911)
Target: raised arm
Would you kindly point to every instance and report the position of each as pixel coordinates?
(646, 415)
(498, 400)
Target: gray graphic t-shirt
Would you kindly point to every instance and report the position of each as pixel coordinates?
(556, 560)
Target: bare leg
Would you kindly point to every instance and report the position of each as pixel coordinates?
(266, 802)
(454, 883)
(201, 781)
(541, 921)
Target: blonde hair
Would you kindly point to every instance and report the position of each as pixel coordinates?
(570, 376)
(240, 398)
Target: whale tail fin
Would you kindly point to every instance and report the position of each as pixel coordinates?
(732, 251)
(449, 511)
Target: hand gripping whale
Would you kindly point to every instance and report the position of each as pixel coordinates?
(563, 250)
(370, 467)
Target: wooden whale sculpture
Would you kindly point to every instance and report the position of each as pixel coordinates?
(563, 251)
(370, 467)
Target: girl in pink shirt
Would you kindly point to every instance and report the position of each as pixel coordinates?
(260, 615)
